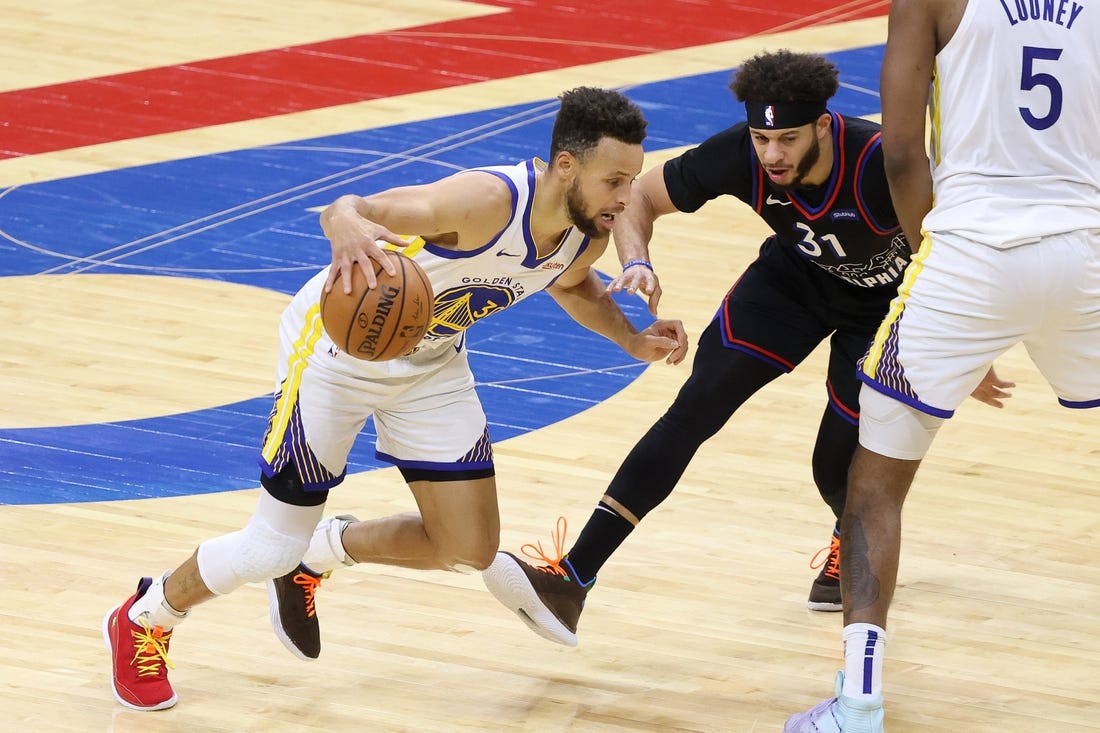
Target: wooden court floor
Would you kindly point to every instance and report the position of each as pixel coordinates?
(699, 621)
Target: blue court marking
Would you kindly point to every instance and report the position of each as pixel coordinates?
(242, 217)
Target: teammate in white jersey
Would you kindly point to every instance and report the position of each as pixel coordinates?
(487, 238)
(1008, 216)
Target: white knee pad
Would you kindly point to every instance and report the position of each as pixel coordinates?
(894, 429)
(250, 555)
(272, 544)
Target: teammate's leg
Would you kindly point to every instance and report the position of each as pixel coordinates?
(931, 351)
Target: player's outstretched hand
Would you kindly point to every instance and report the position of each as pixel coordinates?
(662, 339)
(638, 279)
(993, 390)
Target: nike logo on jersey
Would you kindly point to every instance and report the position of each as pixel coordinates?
(774, 200)
(502, 253)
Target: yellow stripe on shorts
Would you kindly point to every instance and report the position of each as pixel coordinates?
(296, 365)
(870, 363)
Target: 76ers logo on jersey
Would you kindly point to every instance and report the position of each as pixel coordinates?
(459, 308)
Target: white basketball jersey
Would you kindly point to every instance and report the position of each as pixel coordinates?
(468, 286)
(473, 285)
(1015, 115)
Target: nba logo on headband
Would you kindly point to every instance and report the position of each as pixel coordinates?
(779, 115)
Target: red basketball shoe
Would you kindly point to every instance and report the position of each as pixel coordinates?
(139, 655)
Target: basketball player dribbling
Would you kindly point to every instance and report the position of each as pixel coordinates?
(487, 238)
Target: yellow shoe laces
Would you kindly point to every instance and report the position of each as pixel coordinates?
(150, 648)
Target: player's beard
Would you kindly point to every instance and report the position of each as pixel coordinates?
(809, 160)
(574, 203)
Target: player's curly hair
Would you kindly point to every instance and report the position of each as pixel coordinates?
(785, 76)
(588, 114)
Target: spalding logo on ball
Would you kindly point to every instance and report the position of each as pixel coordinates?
(383, 323)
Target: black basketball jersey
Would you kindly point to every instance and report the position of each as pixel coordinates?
(846, 226)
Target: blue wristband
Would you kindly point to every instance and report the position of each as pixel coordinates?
(643, 263)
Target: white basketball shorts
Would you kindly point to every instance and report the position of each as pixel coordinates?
(961, 305)
(426, 411)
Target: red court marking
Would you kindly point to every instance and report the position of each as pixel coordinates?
(531, 37)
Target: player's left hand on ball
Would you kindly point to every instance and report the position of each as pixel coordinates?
(663, 339)
(993, 390)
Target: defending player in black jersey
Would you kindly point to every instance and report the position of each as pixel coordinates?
(829, 271)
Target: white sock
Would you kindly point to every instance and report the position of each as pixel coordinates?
(864, 650)
(155, 608)
(326, 550)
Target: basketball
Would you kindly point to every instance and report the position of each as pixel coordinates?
(383, 323)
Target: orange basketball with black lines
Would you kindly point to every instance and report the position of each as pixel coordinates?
(381, 323)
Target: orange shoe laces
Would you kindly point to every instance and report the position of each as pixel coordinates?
(832, 559)
(536, 553)
(150, 649)
(309, 586)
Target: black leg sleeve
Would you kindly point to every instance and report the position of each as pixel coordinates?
(839, 431)
(836, 442)
(720, 382)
